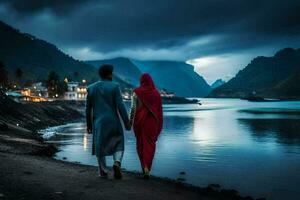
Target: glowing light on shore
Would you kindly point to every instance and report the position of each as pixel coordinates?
(85, 142)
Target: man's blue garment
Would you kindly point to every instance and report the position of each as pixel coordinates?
(105, 104)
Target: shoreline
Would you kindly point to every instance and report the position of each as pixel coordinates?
(43, 177)
(47, 178)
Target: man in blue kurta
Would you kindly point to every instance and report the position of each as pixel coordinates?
(104, 104)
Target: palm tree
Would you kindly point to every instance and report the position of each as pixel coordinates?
(55, 85)
(3, 77)
(18, 73)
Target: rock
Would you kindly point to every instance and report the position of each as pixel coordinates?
(59, 193)
(180, 179)
(229, 193)
(3, 126)
(214, 185)
(47, 150)
(27, 172)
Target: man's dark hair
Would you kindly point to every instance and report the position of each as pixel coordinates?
(105, 70)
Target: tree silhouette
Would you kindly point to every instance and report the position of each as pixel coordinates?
(76, 75)
(55, 85)
(3, 77)
(18, 73)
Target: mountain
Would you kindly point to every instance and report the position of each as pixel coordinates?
(178, 77)
(289, 87)
(165, 74)
(268, 77)
(217, 83)
(36, 58)
(123, 68)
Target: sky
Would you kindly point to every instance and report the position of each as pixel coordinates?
(218, 37)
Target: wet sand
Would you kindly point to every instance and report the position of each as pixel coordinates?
(32, 177)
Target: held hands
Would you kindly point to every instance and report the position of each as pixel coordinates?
(128, 126)
(89, 130)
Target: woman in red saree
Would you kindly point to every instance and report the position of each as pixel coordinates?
(147, 120)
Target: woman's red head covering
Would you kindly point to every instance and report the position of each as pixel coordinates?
(146, 81)
(150, 97)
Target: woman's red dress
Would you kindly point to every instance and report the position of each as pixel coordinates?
(148, 120)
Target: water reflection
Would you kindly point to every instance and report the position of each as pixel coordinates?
(252, 147)
(85, 141)
(284, 130)
(177, 125)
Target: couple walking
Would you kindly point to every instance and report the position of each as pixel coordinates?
(104, 105)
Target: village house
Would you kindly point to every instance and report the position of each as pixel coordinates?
(76, 91)
(165, 93)
(38, 90)
(35, 93)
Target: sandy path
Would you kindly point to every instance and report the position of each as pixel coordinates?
(33, 177)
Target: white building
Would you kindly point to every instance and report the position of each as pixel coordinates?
(76, 91)
(38, 90)
(165, 93)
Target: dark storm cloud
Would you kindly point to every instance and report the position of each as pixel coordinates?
(60, 7)
(189, 28)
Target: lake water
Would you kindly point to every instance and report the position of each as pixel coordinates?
(248, 146)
